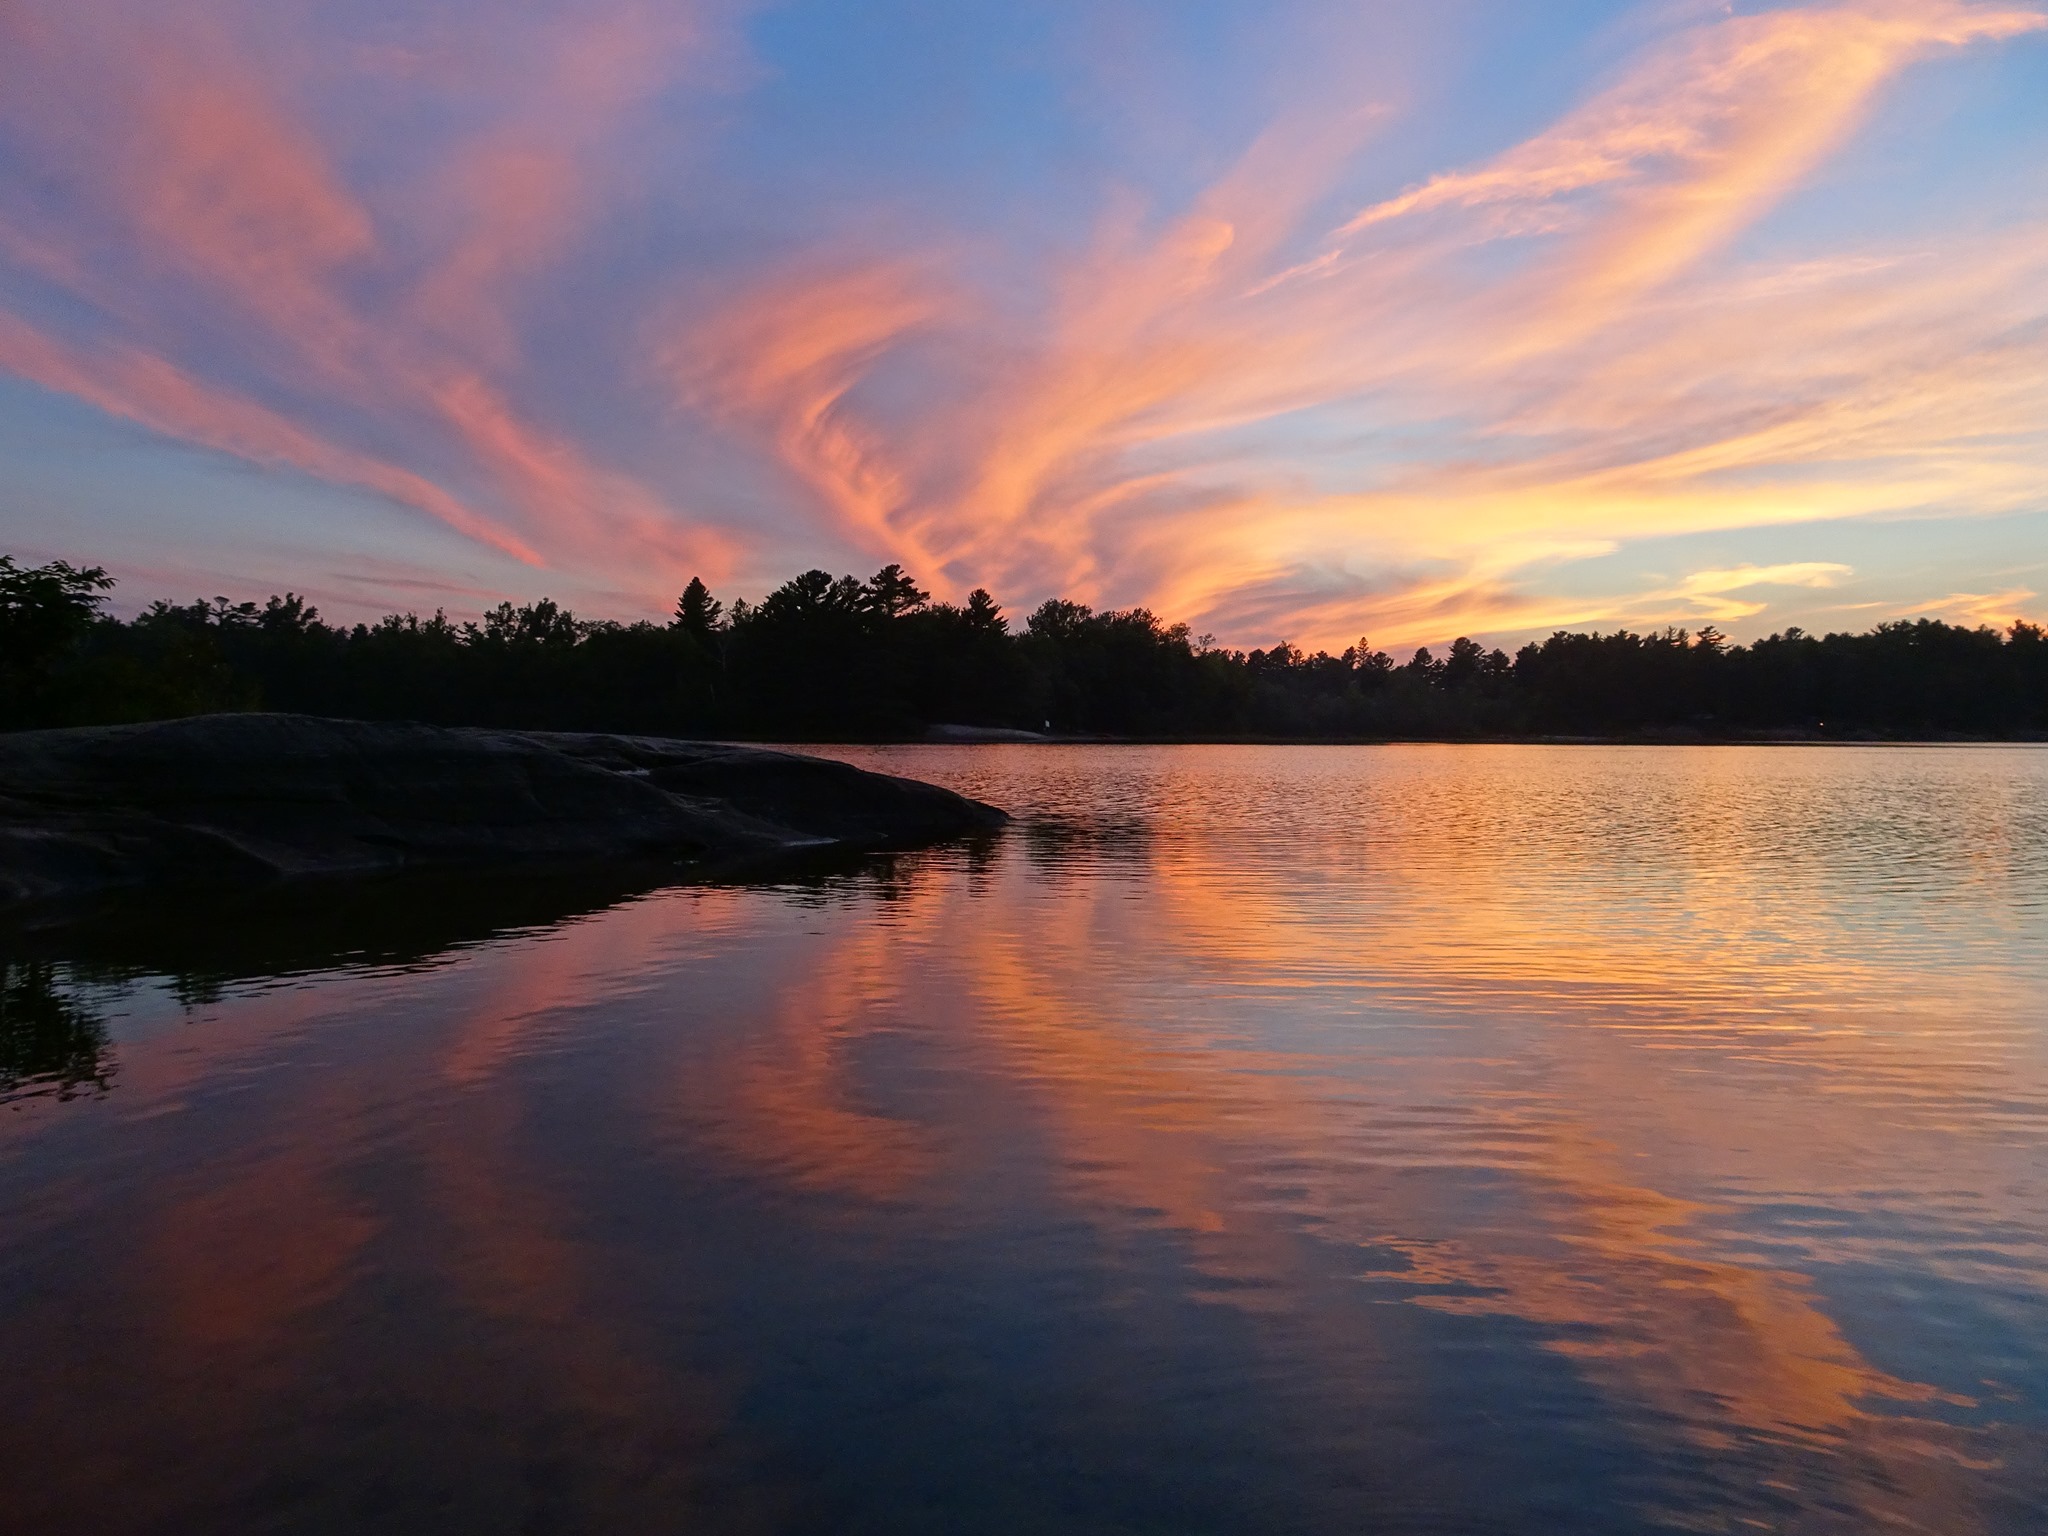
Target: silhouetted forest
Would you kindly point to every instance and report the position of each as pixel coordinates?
(826, 658)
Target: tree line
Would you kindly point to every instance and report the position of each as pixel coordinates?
(840, 658)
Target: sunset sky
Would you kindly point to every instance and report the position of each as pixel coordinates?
(1297, 319)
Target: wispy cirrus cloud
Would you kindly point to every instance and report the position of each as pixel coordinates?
(1489, 371)
(1996, 609)
(227, 282)
(1690, 146)
(463, 262)
(144, 388)
(782, 359)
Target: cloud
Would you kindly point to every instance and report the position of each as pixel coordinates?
(1811, 573)
(1496, 365)
(1711, 595)
(517, 193)
(145, 389)
(215, 251)
(473, 269)
(782, 358)
(1692, 144)
(1999, 610)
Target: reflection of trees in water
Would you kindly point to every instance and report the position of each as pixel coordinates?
(49, 1043)
(839, 879)
(1065, 844)
(1055, 847)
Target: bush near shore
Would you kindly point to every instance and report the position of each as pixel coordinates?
(826, 658)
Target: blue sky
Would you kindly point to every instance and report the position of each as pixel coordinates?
(1295, 320)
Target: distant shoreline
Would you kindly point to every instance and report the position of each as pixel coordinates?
(971, 736)
(841, 659)
(1661, 739)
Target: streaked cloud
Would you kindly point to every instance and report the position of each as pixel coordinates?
(1806, 573)
(1573, 390)
(144, 388)
(1997, 609)
(536, 277)
(242, 295)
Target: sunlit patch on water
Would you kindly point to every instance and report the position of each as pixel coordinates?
(1396, 1139)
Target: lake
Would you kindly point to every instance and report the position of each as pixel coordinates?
(1251, 1139)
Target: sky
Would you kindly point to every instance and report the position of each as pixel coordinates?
(1293, 319)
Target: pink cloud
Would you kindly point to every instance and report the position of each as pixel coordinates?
(782, 358)
(1593, 398)
(197, 187)
(1211, 411)
(142, 388)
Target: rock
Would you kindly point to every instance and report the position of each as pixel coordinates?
(240, 799)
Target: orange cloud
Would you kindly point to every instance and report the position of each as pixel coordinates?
(1254, 412)
(783, 359)
(1694, 144)
(1178, 429)
(1996, 609)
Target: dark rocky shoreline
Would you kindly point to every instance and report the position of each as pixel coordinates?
(240, 800)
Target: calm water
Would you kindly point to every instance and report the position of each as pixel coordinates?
(1413, 1139)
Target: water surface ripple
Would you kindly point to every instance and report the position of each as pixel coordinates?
(1404, 1139)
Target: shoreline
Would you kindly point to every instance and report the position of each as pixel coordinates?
(1644, 740)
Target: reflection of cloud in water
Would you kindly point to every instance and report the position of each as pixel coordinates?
(1159, 1130)
(1677, 1001)
(1308, 1103)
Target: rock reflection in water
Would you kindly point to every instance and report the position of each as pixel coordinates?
(1306, 1140)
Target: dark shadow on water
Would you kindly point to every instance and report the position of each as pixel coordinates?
(1056, 844)
(51, 1044)
(205, 940)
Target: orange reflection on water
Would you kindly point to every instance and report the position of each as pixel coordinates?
(1656, 1023)
(1368, 1076)
(787, 1101)
(1165, 1129)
